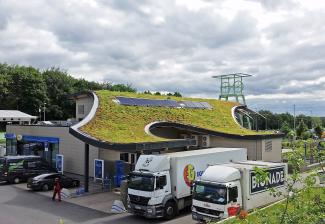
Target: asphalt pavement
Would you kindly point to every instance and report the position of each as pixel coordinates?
(20, 206)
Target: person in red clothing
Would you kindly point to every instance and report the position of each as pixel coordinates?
(57, 189)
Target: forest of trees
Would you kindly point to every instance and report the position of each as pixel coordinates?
(276, 121)
(27, 89)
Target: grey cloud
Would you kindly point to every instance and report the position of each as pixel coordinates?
(180, 52)
(276, 4)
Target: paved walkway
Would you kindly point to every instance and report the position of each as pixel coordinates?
(99, 201)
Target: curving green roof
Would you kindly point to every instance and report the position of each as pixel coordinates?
(125, 124)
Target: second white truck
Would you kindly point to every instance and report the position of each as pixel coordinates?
(161, 185)
(226, 188)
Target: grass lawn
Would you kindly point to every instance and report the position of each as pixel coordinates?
(272, 214)
(125, 124)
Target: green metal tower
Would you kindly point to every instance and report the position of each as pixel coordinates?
(231, 85)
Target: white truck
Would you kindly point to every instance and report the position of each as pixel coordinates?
(226, 188)
(161, 185)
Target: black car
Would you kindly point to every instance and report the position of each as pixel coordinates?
(45, 182)
(16, 169)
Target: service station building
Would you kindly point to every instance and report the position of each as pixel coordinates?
(116, 126)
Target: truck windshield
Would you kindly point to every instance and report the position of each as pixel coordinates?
(141, 182)
(216, 194)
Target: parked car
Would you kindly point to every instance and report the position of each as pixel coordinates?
(16, 169)
(45, 182)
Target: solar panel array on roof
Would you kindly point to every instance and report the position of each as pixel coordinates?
(162, 103)
(195, 105)
(147, 102)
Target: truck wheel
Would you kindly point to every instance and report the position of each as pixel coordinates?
(45, 187)
(170, 210)
(16, 180)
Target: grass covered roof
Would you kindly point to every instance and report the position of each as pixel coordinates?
(125, 124)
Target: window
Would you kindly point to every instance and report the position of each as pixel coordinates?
(15, 164)
(81, 109)
(233, 194)
(124, 157)
(132, 158)
(161, 182)
(51, 177)
(32, 164)
(11, 145)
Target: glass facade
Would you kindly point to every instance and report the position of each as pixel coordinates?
(45, 147)
(11, 147)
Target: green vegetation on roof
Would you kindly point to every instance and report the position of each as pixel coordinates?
(125, 124)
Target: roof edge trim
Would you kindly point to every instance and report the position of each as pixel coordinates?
(210, 132)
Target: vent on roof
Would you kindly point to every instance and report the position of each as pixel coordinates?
(127, 101)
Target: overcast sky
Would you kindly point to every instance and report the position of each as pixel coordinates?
(178, 45)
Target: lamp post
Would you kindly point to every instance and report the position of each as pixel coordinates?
(40, 113)
(44, 109)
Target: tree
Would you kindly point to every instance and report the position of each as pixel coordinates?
(285, 128)
(147, 92)
(123, 88)
(319, 131)
(27, 89)
(59, 86)
(157, 93)
(177, 94)
(301, 129)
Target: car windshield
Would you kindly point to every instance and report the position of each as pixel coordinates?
(216, 194)
(47, 175)
(141, 182)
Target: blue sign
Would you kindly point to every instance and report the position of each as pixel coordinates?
(59, 163)
(10, 136)
(99, 169)
(276, 177)
(29, 138)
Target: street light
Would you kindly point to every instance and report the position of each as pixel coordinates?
(44, 109)
(40, 113)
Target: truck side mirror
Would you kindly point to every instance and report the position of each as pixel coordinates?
(192, 187)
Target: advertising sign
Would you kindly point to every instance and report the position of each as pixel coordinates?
(59, 163)
(275, 179)
(190, 174)
(99, 169)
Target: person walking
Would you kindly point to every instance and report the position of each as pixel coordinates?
(57, 189)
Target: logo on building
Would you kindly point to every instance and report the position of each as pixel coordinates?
(189, 174)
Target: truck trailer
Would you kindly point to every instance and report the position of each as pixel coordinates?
(223, 190)
(161, 185)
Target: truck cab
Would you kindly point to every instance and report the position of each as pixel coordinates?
(149, 188)
(147, 192)
(226, 188)
(215, 196)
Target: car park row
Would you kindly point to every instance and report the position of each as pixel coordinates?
(34, 170)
